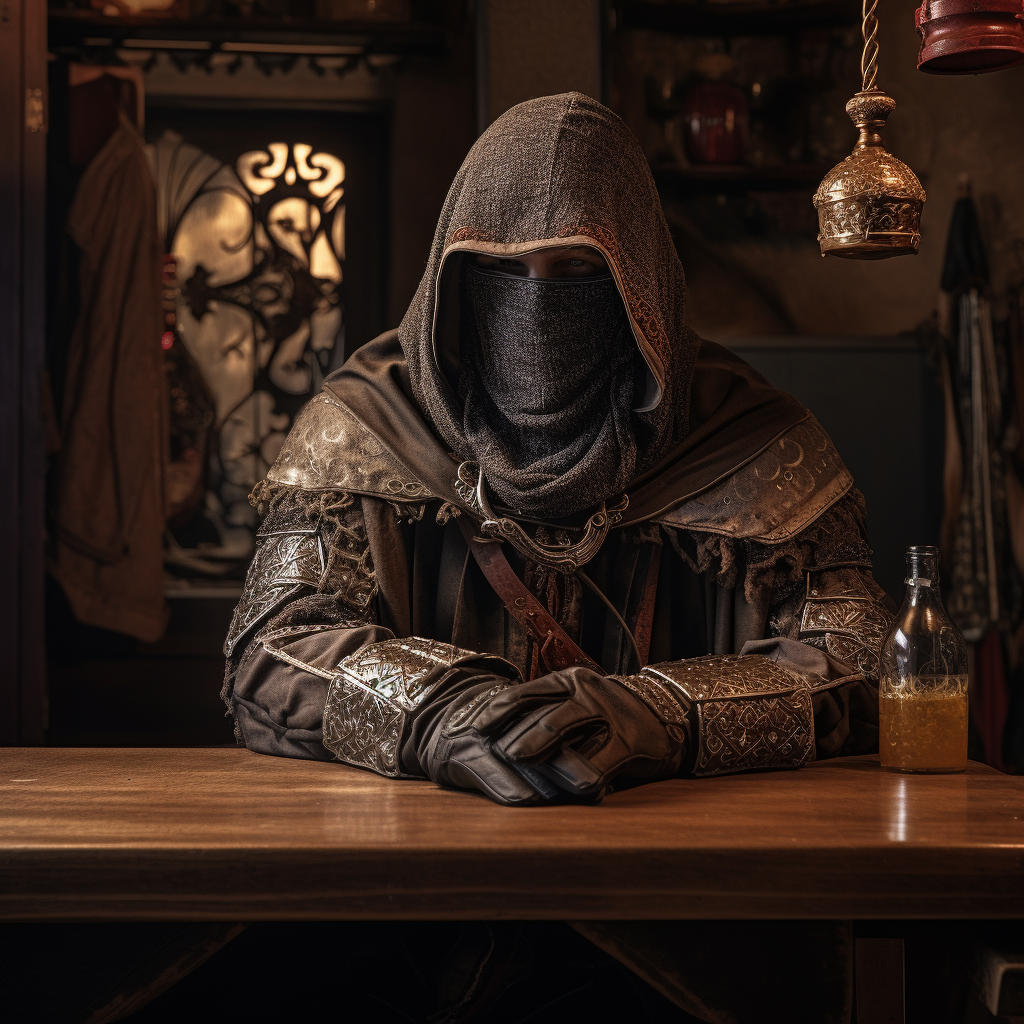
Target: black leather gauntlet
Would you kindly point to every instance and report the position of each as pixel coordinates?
(409, 708)
(702, 716)
(588, 730)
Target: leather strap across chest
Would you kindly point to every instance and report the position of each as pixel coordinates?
(557, 649)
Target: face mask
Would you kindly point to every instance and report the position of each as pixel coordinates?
(543, 346)
(548, 384)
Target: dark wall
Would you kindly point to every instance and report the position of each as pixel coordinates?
(433, 127)
(880, 401)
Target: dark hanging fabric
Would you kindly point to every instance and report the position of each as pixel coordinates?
(1013, 738)
(965, 265)
(981, 592)
(982, 532)
(106, 520)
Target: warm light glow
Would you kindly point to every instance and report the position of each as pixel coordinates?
(257, 261)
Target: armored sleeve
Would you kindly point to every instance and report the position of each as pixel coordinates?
(308, 601)
(311, 673)
(829, 601)
(809, 689)
(753, 710)
(377, 694)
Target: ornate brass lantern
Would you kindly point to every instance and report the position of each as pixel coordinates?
(869, 206)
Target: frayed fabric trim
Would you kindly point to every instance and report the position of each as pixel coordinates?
(838, 537)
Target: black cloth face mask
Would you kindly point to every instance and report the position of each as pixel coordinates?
(548, 386)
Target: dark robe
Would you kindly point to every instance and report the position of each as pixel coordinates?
(715, 594)
(107, 517)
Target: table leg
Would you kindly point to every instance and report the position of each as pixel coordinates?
(878, 981)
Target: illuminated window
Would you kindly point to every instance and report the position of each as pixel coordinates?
(259, 250)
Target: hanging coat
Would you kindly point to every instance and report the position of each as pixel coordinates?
(107, 520)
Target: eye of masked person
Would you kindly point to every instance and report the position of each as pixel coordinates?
(548, 264)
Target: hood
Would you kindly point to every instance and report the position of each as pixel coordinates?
(555, 171)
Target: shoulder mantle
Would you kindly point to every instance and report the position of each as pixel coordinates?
(774, 496)
(329, 449)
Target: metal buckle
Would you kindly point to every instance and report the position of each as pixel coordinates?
(564, 558)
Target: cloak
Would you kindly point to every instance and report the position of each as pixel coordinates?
(107, 517)
(742, 551)
(746, 505)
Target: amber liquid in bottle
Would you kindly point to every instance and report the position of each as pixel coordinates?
(924, 732)
(922, 698)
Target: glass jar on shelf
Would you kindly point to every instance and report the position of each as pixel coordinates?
(922, 694)
(715, 114)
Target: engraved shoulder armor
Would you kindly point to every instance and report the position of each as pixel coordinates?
(776, 495)
(743, 711)
(329, 449)
(377, 690)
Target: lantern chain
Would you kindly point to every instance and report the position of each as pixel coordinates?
(869, 58)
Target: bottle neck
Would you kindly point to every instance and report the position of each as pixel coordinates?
(922, 573)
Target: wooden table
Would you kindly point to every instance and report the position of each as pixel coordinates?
(223, 834)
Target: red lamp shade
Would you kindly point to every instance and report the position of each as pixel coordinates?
(969, 37)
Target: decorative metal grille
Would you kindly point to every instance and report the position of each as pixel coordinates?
(256, 255)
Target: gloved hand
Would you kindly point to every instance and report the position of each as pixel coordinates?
(448, 744)
(586, 731)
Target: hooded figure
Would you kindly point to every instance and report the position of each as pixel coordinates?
(543, 540)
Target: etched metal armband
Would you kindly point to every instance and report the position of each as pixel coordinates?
(844, 617)
(744, 711)
(378, 689)
(290, 555)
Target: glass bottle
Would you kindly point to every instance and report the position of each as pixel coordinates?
(922, 694)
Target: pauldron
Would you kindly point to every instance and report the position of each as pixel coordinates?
(844, 617)
(293, 555)
(377, 691)
(329, 449)
(776, 495)
(744, 711)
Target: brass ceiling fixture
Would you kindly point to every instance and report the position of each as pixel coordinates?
(869, 206)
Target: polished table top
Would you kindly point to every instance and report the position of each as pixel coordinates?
(215, 833)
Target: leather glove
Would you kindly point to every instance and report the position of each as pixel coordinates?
(451, 748)
(587, 731)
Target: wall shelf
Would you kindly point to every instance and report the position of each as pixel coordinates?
(88, 36)
(700, 18)
(732, 178)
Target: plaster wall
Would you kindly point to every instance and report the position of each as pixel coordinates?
(535, 48)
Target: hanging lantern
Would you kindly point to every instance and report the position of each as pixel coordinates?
(869, 206)
(968, 37)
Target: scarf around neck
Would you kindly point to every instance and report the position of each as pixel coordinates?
(548, 389)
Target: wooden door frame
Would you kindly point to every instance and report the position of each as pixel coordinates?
(23, 111)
